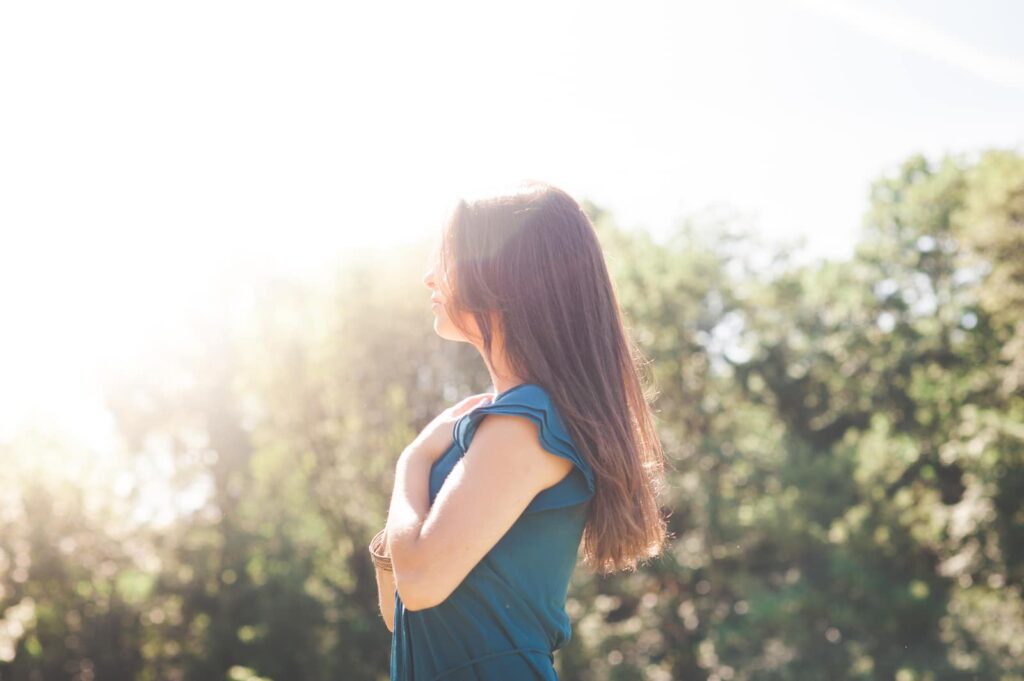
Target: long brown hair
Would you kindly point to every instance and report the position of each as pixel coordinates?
(529, 262)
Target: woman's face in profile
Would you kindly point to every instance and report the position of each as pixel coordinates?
(438, 294)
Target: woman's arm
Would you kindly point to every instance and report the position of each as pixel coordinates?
(386, 596)
(433, 547)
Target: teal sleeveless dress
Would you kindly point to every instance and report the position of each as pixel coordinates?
(507, 617)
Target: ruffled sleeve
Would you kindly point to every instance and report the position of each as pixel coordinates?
(533, 402)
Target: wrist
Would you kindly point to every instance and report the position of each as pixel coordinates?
(380, 551)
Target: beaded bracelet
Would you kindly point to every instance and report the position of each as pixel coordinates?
(379, 551)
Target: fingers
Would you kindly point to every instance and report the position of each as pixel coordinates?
(474, 399)
(485, 399)
(472, 402)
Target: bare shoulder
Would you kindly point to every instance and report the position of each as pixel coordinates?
(512, 443)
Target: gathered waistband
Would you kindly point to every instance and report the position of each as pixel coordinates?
(445, 673)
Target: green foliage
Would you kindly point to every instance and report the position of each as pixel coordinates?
(846, 445)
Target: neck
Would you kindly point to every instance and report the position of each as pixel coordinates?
(502, 378)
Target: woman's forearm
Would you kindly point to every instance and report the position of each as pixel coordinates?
(410, 505)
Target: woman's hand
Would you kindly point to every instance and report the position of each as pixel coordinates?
(437, 437)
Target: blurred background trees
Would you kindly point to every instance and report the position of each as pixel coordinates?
(846, 443)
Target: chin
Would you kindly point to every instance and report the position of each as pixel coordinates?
(446, 331)
(441, 328)
(447, 334)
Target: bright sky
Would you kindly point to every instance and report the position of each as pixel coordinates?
(145, 147)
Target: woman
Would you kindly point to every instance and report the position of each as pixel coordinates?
(488, 514)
